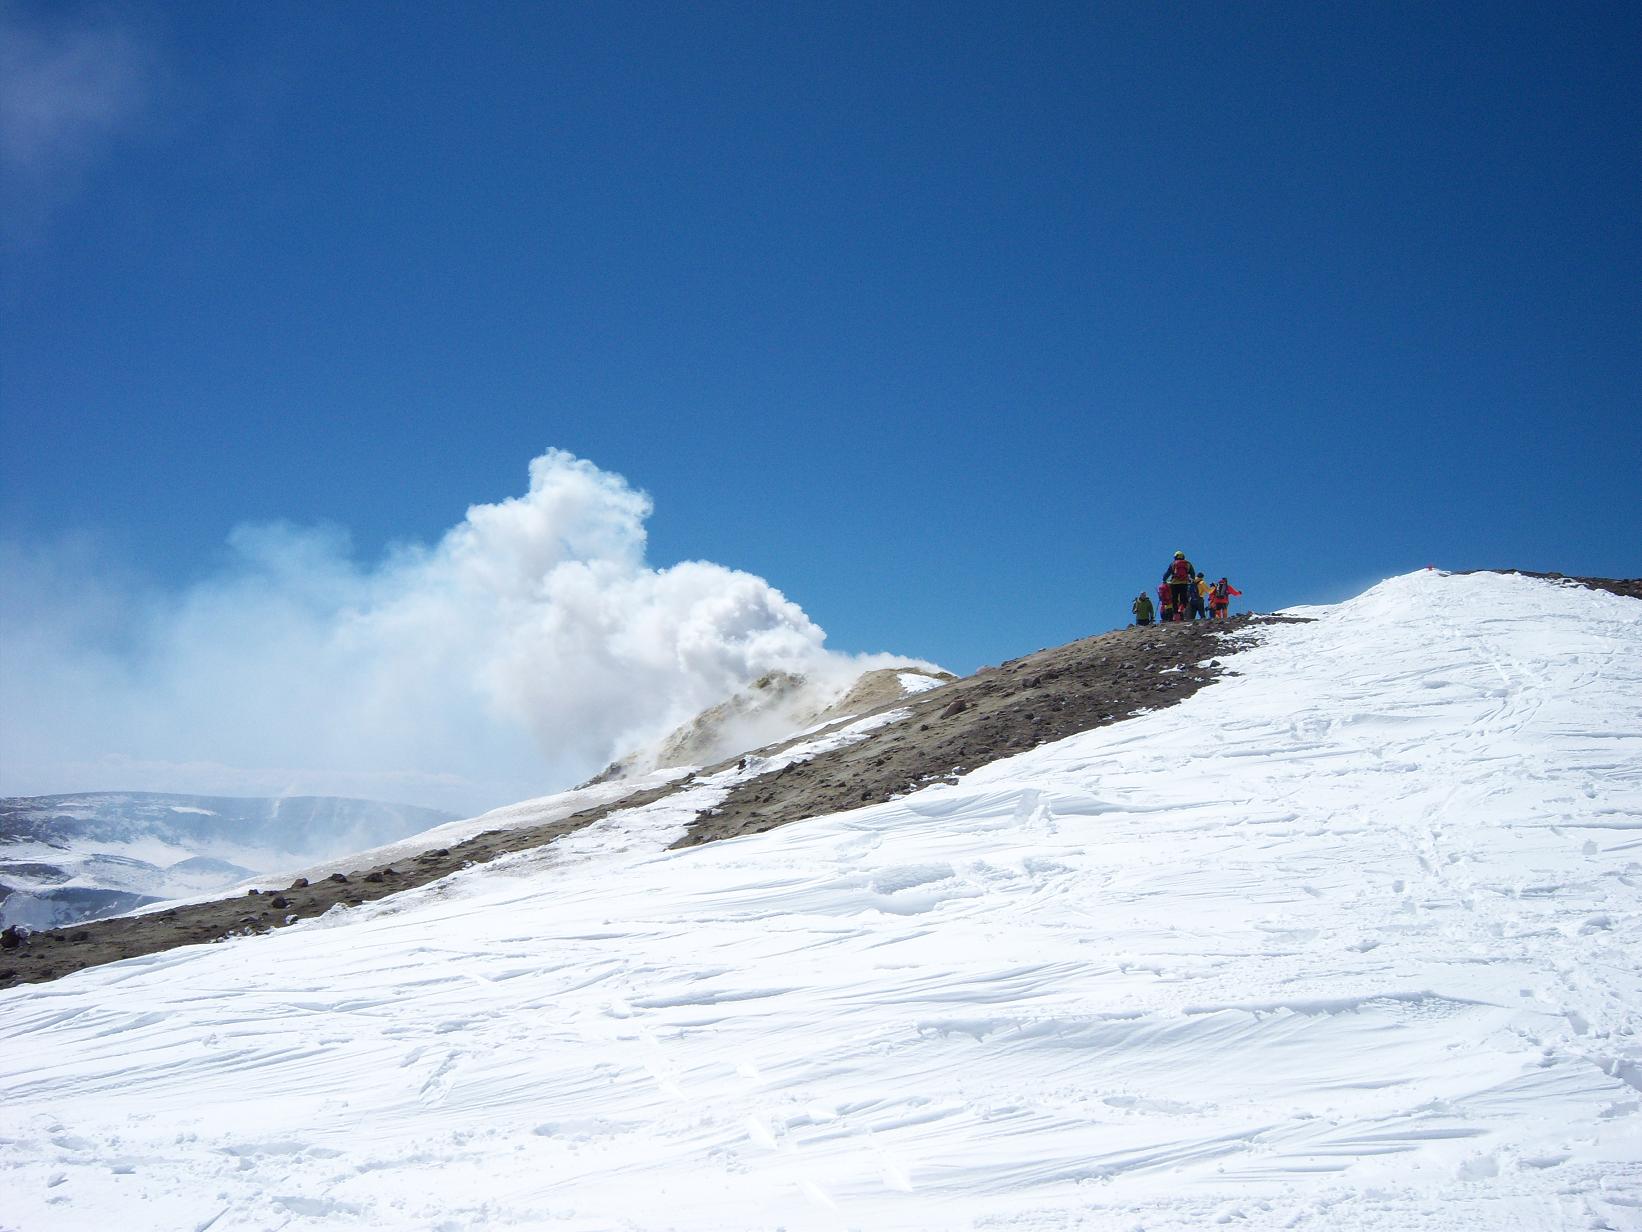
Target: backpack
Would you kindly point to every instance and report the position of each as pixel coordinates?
(1220, 589)
(1182, 570)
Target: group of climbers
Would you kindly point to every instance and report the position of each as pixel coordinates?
(1185, 594)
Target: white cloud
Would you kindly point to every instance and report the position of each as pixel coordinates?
(519, 653)
(68, 87)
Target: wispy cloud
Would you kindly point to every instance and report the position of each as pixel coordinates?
(522, 651)
(71, 84)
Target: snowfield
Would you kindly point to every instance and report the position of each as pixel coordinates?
(1347, 940)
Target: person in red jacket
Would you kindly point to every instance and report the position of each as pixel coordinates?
(1220, 597)
(1163, 609)
(1178, 578)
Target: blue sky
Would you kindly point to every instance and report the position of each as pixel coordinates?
(951, 321)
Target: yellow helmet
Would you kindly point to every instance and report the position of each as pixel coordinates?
(1180, 556)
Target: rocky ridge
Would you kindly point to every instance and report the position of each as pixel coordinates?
(960, 725)
(767, 711)
(956, 726)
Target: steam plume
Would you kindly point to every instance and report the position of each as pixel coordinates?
(519, 653)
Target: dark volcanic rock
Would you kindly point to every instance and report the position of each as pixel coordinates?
(999, 711)
(1042, 697)
(109, 940)
(1630, 588)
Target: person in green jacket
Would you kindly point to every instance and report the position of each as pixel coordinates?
(1143, 609)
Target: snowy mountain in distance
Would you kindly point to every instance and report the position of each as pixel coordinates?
(67, 859)
(1345, 939)
(79, 857)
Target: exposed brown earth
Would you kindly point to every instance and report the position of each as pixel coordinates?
(49, 954)
(959, 726)
(1630, 588)
(995, 713)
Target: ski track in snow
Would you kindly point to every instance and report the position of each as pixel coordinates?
(1347, 940)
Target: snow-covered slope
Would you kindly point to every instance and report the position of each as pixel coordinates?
(1347, 940)
(92, 854)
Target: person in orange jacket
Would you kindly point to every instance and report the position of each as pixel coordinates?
(1220, 597)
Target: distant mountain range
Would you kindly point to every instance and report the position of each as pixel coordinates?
(72, 858)
(83, 856)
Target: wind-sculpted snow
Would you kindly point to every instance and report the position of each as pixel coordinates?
(1346, 940)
